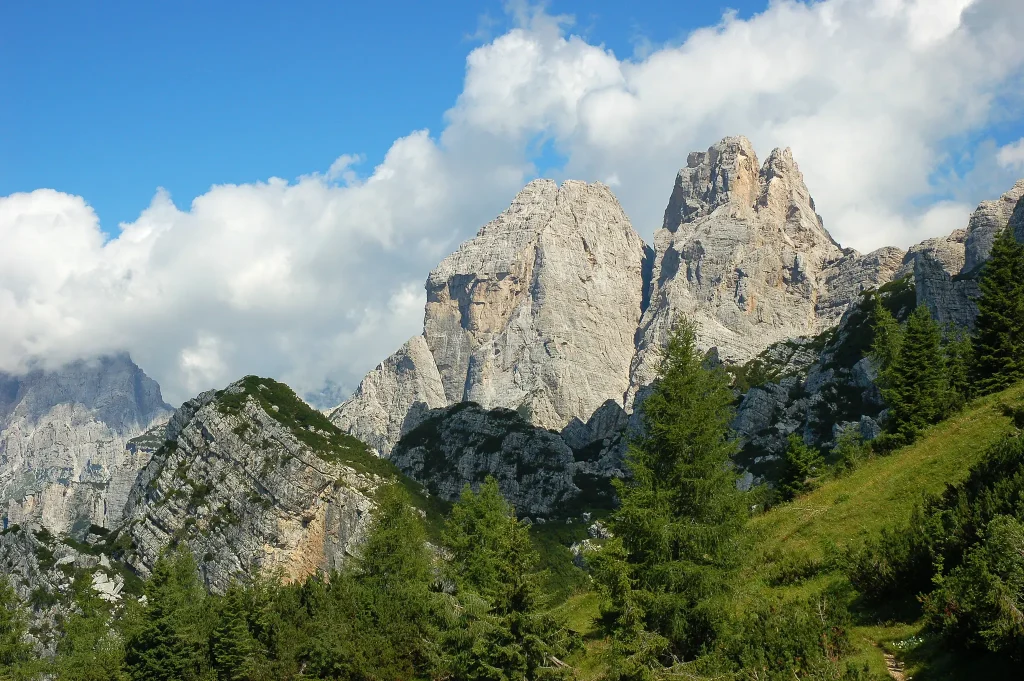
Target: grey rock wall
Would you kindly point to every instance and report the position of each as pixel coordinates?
(63, 461)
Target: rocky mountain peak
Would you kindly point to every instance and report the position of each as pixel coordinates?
(785, 197)
(536, 313)
(725, 174)
(744, 255)
(986, 221)
(63, 461)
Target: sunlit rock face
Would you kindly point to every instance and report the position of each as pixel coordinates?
(252, 483)
(536, 314)
(744, 255)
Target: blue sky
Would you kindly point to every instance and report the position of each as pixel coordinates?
(902, 115)
(110, 100)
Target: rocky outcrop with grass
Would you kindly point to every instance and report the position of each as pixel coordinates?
(253, 480)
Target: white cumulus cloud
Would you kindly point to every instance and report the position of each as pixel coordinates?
(313, 281)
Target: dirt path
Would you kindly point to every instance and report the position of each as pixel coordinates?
(895, 667)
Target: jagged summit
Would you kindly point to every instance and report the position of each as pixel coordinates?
(986, 221)
(537, 313)
(744, 254)
(557, 306)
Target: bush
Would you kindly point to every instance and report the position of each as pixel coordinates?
(979, 604)
(803, 639)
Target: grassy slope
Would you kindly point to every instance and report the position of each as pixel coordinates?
(881, 493)
(842, 513)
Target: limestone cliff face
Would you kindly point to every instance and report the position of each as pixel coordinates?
(63, 462)
(946, 269)
(536, 314)
(935, 265)
(253, 480)
(1016, 222)
(744, 255)
(394, 397)
(986, 221)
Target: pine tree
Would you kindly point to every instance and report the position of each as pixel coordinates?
(376, 619)
(16, 654)
(800, 464)
(680, 513)
(915, 386)
(89, 648)
(171, 640)
(235, 654)
(959, 355)
(888, 340)
(503, 632)
(999, 328)
(476, 534)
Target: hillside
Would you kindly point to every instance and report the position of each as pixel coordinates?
(796, 549)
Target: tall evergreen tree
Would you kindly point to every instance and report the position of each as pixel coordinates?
(235, 653)
(888, 340)
(502, 634)
(915, 386)
(171, 640)
(999, 329)
(90, 649)
(376, 619)
(16, 654)
(680, 512)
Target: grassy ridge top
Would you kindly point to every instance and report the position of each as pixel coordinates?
(307, 424)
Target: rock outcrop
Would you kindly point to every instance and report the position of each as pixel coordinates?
(543, 474)
(986, 221)
(946, 270)
(817, 387)
(393, 398)
(43, 568)
(253, 480)
(744, 255)
(63, 461)
(466, 443)
(536, 314)
(936, 265)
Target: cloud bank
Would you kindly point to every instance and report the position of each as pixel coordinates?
(314, 281)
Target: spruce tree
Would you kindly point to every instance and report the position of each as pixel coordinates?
(680, 513)
(801, 463)
(235, 654)
(999, 328)
(376, 619)
(16, 654)
(915, 386)
(171, 640)
(888, 340)
(503, 632)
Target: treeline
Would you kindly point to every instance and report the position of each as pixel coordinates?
(397, 612)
